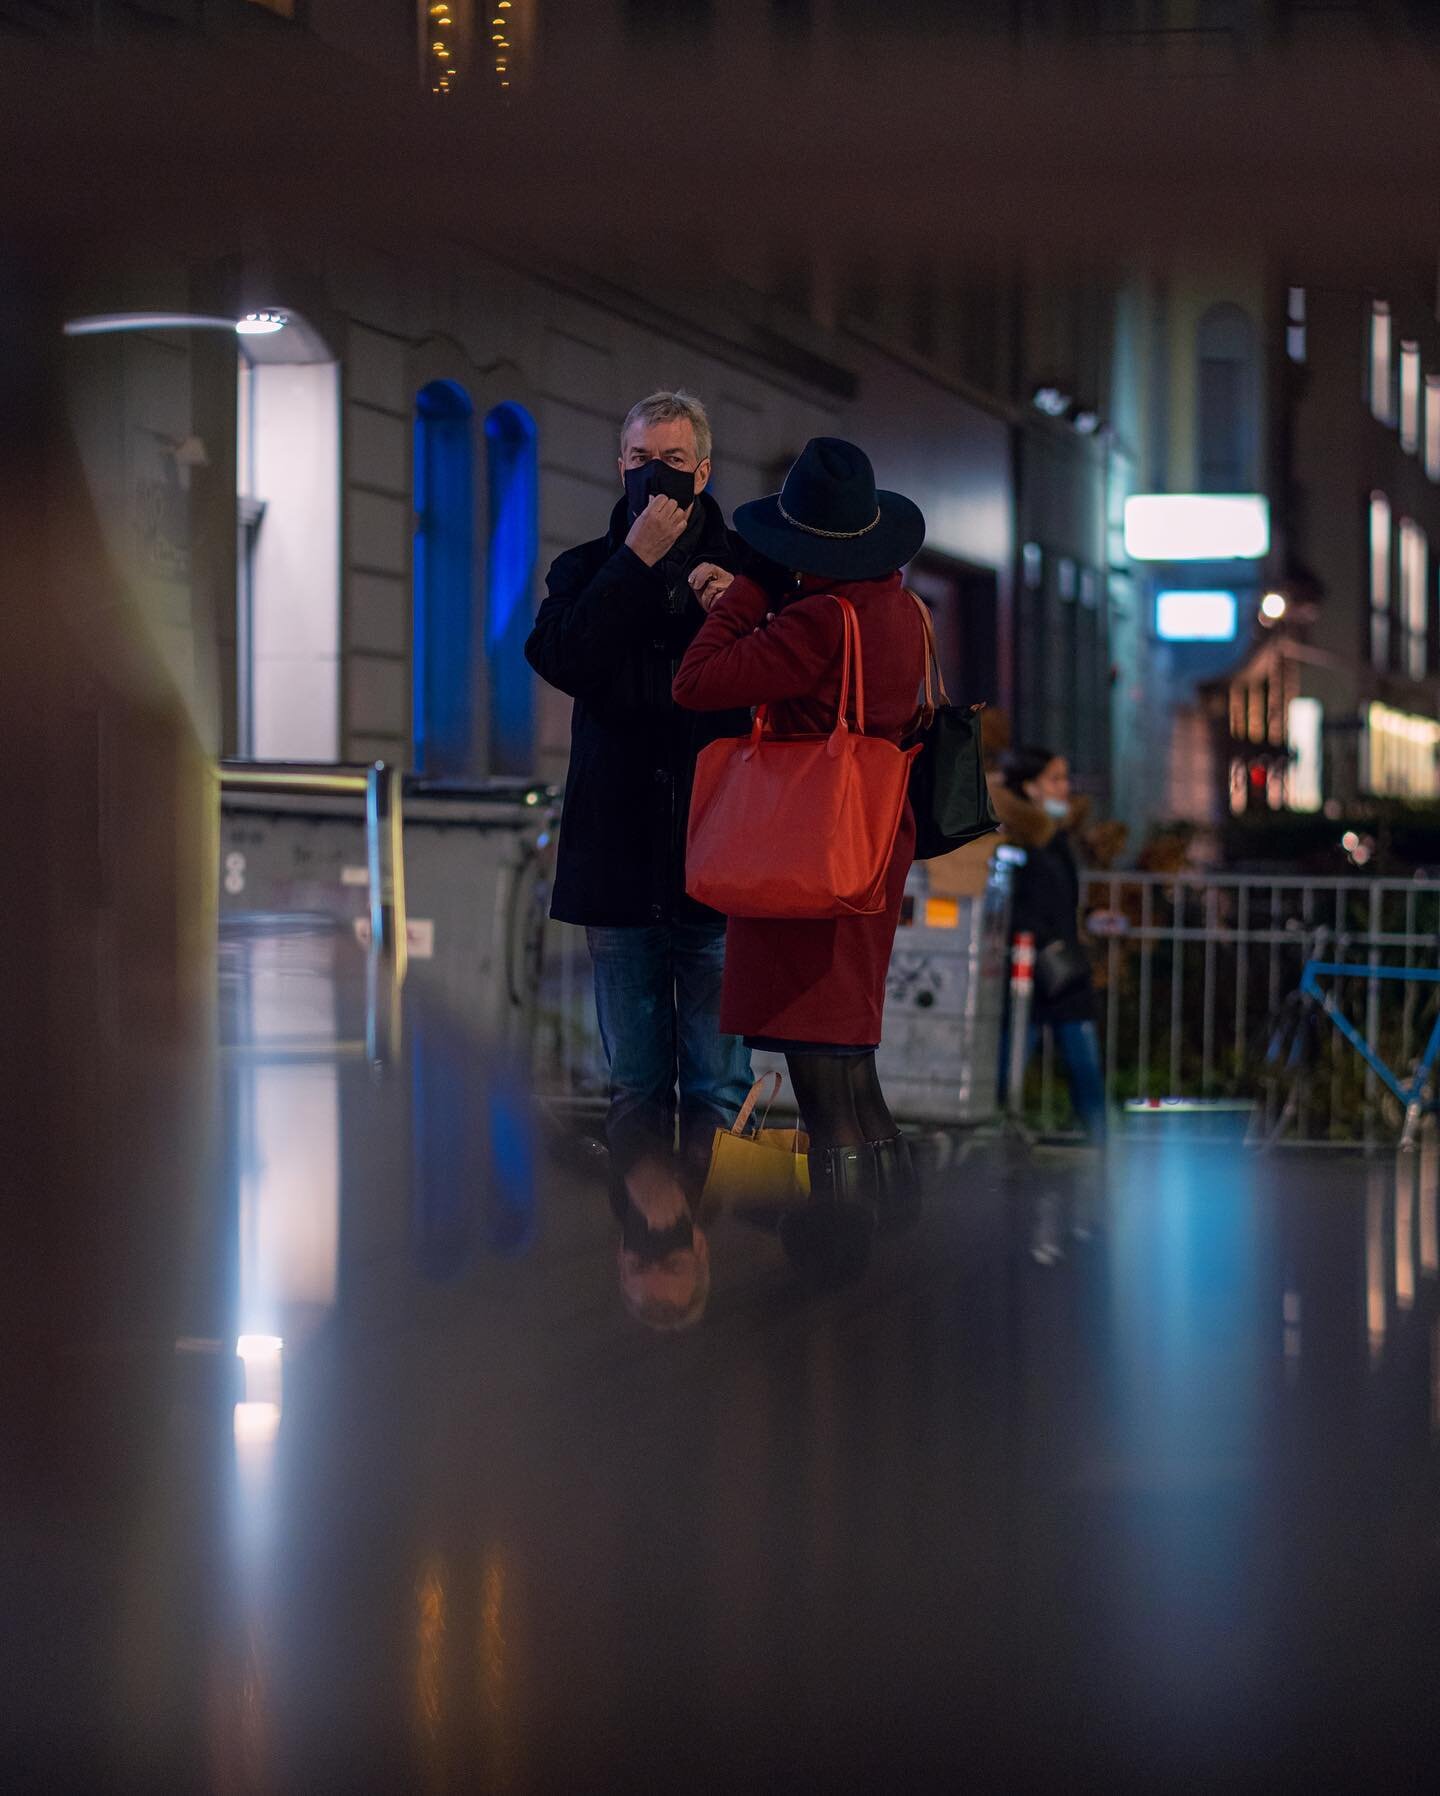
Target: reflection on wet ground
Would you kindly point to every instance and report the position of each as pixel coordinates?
(1153, 1501)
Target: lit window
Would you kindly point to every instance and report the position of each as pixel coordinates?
(443, 713)
(1239, 788)
(1410, 397)
(1414, 566)
(1382, 400)
(514, 476)
(1398, 754)
(1295, 324)
(1379, 580)
(1304, 726)
(1432, 427)
(288, 482)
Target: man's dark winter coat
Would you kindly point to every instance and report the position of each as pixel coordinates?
(611, 634)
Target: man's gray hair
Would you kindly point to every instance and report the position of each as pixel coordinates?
(665, 407)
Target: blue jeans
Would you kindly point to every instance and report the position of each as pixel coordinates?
(657, 995)
(1078, 1045)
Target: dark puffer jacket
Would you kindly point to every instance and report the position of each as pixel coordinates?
(1046, 892)
(611, 634)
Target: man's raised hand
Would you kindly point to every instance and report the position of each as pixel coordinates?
(657, 530)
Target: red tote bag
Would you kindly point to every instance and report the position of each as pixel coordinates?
(799, 826)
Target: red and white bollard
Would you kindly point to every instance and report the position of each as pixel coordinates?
(1022, 993)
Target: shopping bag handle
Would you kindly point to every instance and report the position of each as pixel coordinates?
(747, 1109)
(933, 678)
(849, 658)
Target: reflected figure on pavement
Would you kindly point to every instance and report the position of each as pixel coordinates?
(611, 634)
(1033, 800)
(664, 1257)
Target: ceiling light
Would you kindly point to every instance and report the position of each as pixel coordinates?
(260, 324)
(103, 323)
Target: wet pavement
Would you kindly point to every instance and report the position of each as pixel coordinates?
(1155, 1507)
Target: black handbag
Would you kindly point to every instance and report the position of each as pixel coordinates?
(1061, 970)
(948, 790)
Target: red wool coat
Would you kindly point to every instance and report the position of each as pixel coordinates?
(821, 981)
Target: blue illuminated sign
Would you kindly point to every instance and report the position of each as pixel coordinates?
(1196, 616)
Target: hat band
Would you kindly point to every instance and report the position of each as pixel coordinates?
(838, 536)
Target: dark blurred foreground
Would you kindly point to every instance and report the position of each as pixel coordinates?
(656, 132)
(1126, 1482)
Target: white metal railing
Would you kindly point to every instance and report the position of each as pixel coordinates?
(1191, 970)
(1192, 967)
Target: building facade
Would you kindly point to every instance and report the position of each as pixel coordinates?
(401, 461)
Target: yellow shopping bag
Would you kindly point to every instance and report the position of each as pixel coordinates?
(759, 1168)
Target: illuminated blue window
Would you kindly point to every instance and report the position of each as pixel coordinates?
(443, 706)
(510, 577)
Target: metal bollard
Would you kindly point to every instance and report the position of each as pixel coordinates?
(1022, 991)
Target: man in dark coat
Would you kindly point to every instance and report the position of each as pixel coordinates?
(619, 616)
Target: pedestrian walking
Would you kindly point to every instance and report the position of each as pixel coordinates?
(813, 989)
(1034, 801)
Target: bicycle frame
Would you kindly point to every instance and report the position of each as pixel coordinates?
(1411, 1096)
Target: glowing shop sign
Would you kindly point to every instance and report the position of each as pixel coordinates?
(1197, 527)
(1196, 616)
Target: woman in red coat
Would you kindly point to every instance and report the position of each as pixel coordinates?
(814, 991)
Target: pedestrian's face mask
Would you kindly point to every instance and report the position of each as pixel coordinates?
(651, 1246)
(642, 483)
(1058, 808)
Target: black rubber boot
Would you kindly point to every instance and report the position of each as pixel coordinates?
(828, 1240)
(897, 1186)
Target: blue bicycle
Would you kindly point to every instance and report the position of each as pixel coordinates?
(1295, 1042)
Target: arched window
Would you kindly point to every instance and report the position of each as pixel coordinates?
(1226, 402)
(443, 726)
(511, 457)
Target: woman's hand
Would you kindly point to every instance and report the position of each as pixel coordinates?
(709, 583)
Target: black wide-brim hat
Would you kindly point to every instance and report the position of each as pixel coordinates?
(830, 519)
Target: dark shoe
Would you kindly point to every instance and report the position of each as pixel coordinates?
(827, 1241)
(897, 1186)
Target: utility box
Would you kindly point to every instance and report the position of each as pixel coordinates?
(474, 858)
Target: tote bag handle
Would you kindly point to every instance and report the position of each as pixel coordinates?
(850, 634)
(933, 678)
(747, 1109)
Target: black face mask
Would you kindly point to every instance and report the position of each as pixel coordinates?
(641, 484)
(650, 1246)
